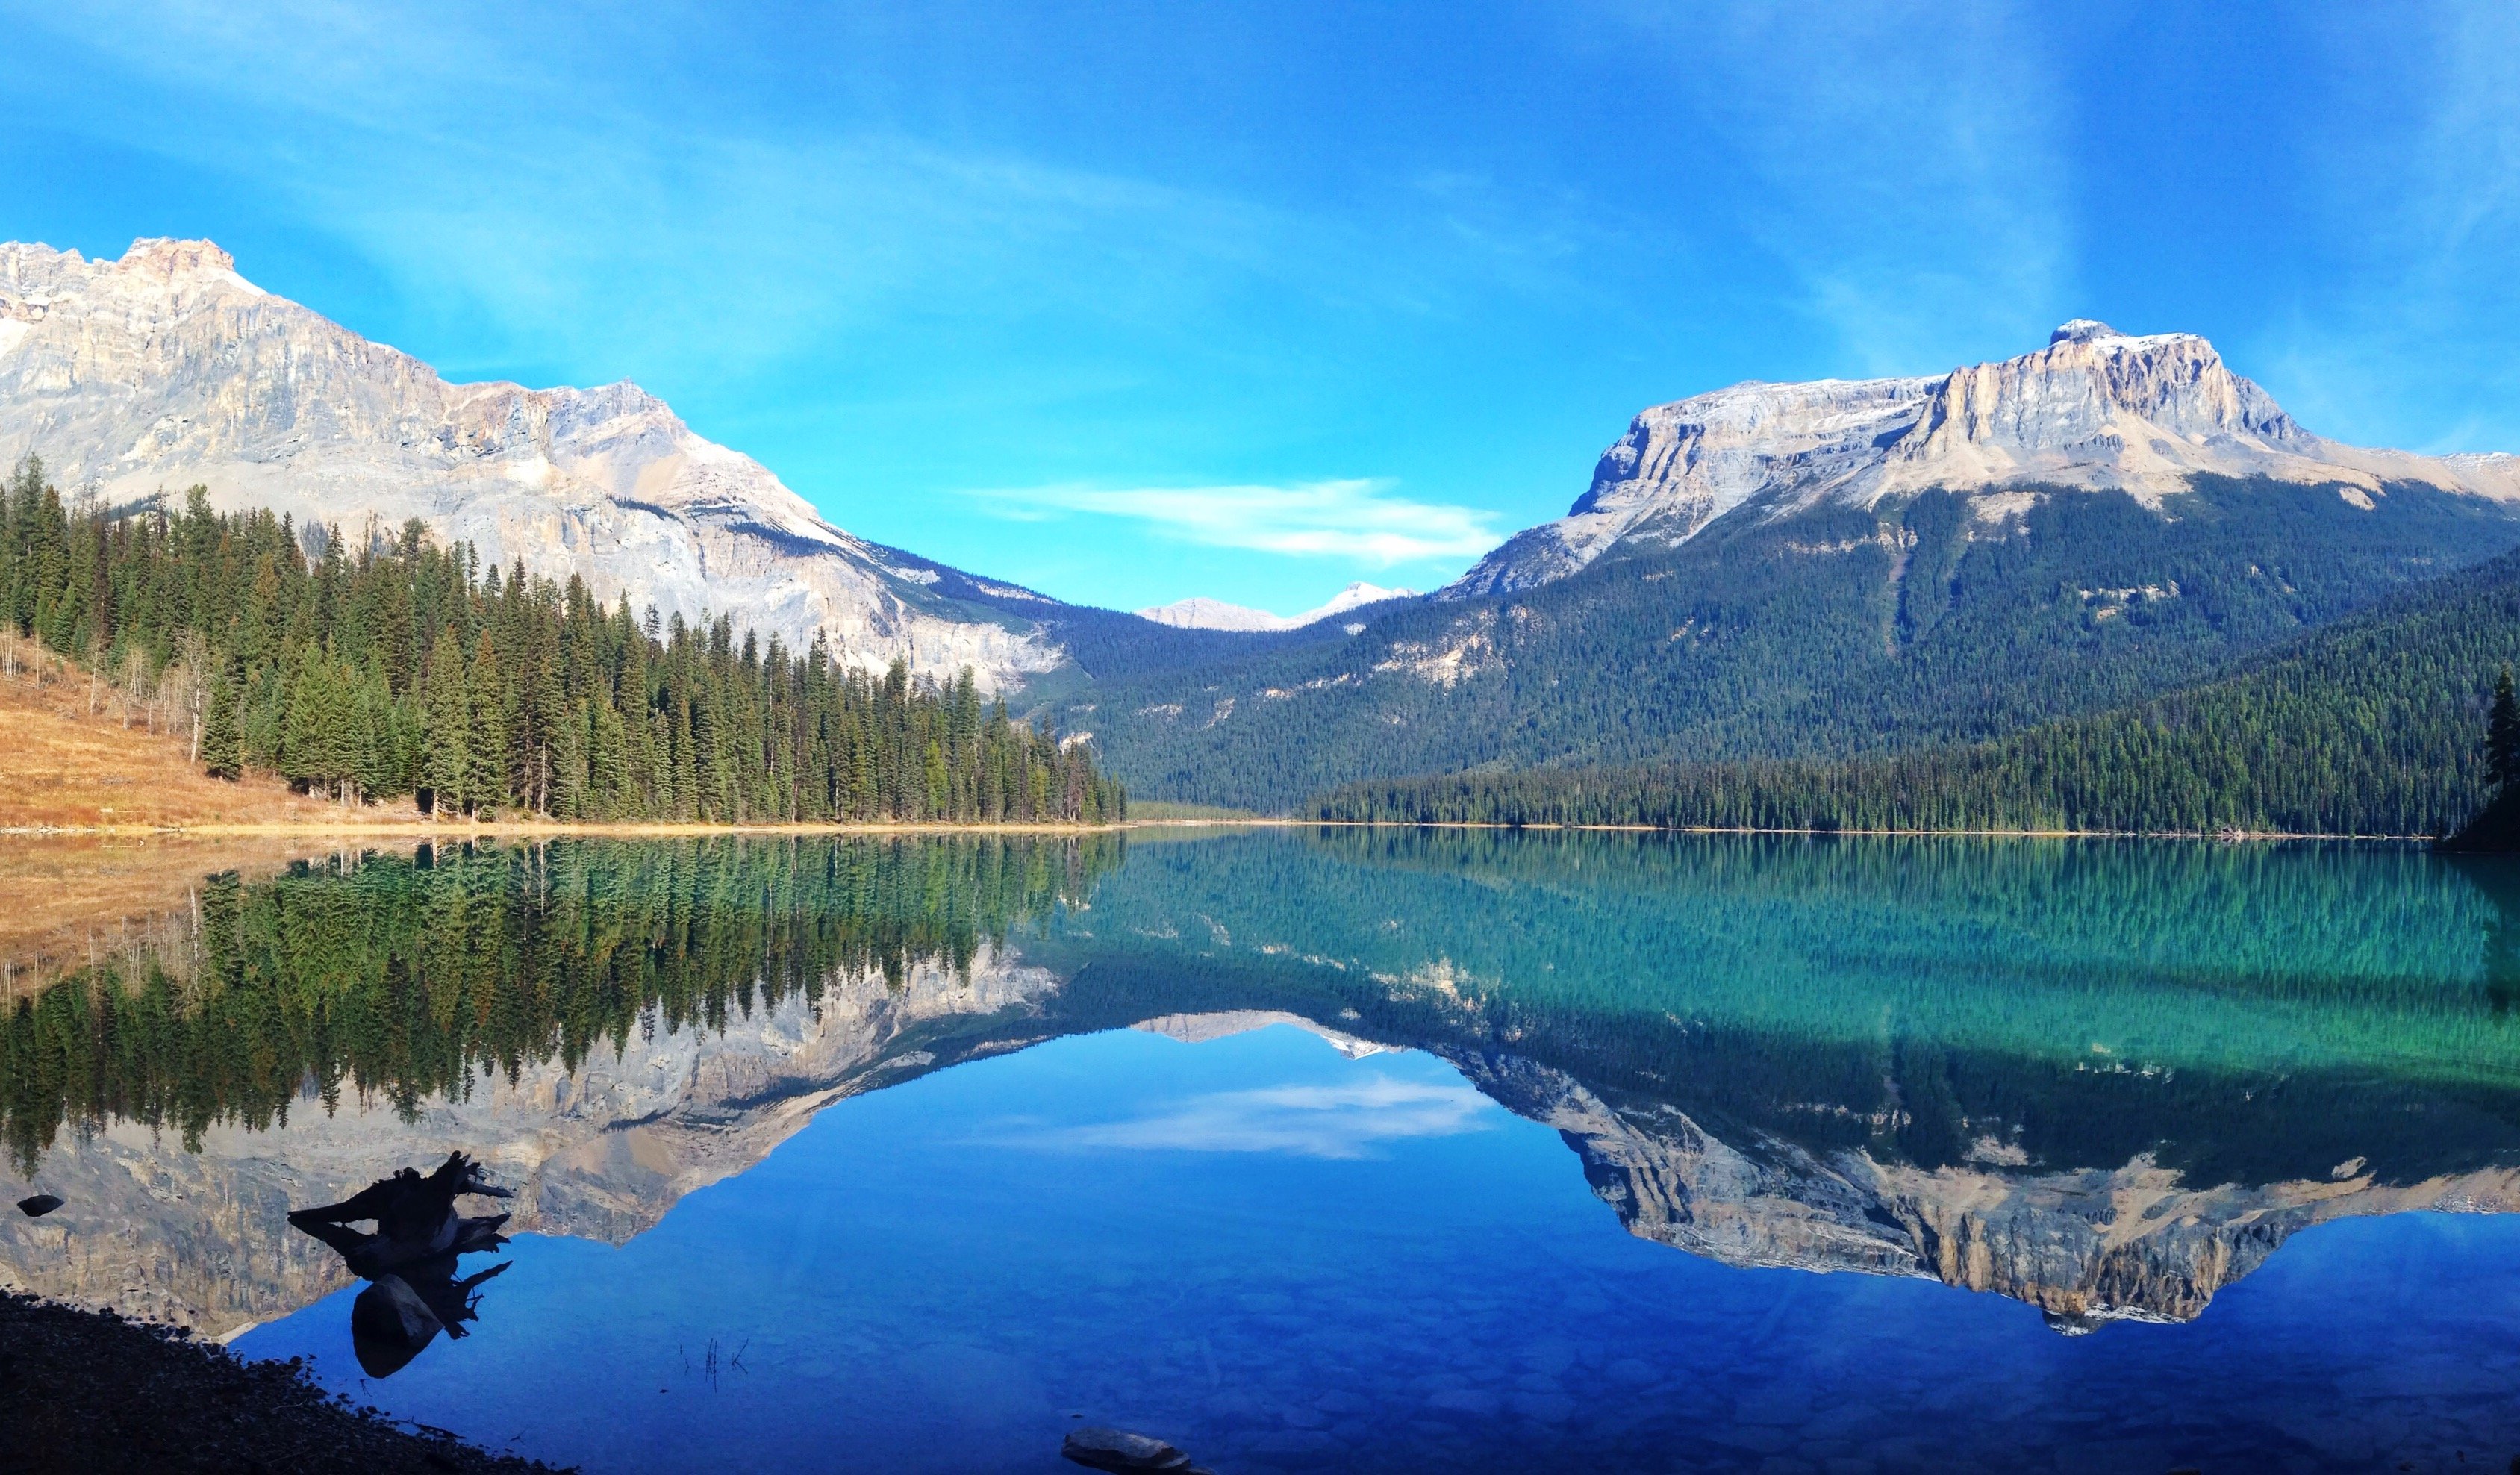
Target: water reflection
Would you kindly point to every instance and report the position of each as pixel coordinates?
(410, 1258)
(2106, 1079)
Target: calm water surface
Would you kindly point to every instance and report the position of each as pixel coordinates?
(1344, 1151)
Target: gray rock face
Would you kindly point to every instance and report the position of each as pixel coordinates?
(167, 369)
(2094, 410)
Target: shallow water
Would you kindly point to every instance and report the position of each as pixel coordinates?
(1347, 1150)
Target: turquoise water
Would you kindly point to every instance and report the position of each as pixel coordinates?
(1387, 1150)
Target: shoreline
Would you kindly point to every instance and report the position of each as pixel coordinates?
(425, 830)
(94, 1390)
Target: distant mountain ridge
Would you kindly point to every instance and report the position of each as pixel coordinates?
(1201, 613)
(1837, 568)
(166, 368)
(2094, 410)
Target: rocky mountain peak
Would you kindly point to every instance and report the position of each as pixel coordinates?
(2083, 331)
(2094, 410)
(1200, 612)
(166, 256)
(167, 369)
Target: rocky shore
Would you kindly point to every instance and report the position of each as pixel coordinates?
(93, 1390)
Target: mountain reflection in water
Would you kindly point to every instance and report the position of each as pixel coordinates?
(2104, 1078)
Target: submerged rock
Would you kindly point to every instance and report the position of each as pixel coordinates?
(1120, 1449)
(40, 1205)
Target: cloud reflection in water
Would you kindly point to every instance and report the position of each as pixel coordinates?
(1346, 1121)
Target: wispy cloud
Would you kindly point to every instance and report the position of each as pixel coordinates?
(1357, 518)
(1909, 160)
(2414, 178)
(1355, 1121)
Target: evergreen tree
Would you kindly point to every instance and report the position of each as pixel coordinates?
(222, 734)
(342, 664)
(568, 769)
(485, 739)
(445, 761)
(2503, 736)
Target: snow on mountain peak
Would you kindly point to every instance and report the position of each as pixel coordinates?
(2083, 331)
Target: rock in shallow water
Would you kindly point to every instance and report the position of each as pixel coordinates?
(1118, 1449)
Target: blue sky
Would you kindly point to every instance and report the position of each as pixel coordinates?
(1134, 301)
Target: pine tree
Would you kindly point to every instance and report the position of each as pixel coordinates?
(608, 784)
(344, 667)
(2502, 737)
(569, 766)
(222, 734)
(485, 779)
(446, 744)
(304, 745)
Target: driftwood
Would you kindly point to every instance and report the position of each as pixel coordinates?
(409, 1261)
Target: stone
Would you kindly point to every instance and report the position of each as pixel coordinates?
(37, 1206)
(1100, 1449)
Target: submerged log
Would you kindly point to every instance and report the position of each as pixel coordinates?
(410, 1258)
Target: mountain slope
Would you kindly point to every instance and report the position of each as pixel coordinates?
(167, 369)
(2373, 726)
(1807, 597)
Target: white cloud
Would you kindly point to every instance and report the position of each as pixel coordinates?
(1299, 1121)
(1356, 519)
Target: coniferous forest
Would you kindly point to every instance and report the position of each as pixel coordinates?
(387, 666)
(2379, 725)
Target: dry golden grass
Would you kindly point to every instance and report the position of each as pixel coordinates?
(75, 899)
(64, 768)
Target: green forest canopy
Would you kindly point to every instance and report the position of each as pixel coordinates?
(2375, 726)
(397, 668)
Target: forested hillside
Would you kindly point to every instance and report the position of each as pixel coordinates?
(2375, 726)
(1836, 632)
(382, 666)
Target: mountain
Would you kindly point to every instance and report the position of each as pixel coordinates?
(2133, 1242)
(2094, 410)
(167, 369)
(1200, 613)
(2369, 725)
(1833, 569)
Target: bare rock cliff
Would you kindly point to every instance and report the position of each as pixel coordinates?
(167, 369)
(2094, 410)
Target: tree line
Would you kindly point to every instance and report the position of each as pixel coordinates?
(402, 978)
(2375, 726)
(1833, 633)
(387, 666)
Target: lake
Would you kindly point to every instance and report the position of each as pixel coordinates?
(1337, 1150)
